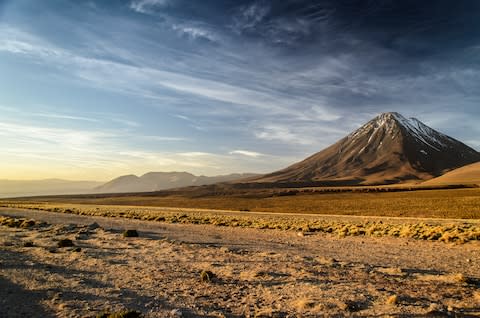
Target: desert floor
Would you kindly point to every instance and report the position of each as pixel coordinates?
(253, 272)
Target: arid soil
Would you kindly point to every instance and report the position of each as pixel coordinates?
(252, 272)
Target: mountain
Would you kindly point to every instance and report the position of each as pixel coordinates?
(388, 149)
(155, 181)
(18, 188)
(469, 174)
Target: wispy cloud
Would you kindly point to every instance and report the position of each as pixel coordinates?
(125, 122)
(246, 153)
(195, 32)
(145, 81)
(195, 154)
(281, 133)
(163, 138)
(256, 19)
(303, 133)
(249, 17)
(70, 139)
(146, 6)
(67, 117)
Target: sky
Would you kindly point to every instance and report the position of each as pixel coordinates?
(91, 90)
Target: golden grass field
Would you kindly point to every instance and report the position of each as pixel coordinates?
(443, 203)
(301, 212)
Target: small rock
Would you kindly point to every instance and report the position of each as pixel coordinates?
(65, 243)
(93, 226)
(176, 313)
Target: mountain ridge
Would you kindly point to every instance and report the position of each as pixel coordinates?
(155, 181)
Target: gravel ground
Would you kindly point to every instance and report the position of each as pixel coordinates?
(247, 272)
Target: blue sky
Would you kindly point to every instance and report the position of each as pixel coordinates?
(98, 89)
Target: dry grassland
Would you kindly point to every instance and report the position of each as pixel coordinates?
(427, 229)
(445, 203)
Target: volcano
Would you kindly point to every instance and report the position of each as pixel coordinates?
(388, 149)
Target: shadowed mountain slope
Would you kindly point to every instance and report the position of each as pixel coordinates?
(388, 149)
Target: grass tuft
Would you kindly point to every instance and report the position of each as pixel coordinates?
(130, 233)
(207, 276)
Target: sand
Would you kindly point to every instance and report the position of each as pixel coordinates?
(256, 273)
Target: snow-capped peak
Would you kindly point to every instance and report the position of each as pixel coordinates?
(390, 122)
(422, 132)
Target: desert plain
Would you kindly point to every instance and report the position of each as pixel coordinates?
(192, 262)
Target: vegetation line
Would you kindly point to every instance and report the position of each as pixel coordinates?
(453, 232)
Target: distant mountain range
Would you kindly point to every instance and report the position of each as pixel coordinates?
(155, 181)
(152, 181)
(388, 149)
(17, 188)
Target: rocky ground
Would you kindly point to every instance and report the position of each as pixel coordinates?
(182, 270)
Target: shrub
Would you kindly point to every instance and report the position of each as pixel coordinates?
(392, 300)
(121, 314)
(27, 223)
(207, 276)
(65, 243)
(130, 233)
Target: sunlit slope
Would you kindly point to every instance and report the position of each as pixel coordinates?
(469, 174)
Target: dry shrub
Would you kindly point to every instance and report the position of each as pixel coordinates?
(476, 296)
(121, 314)
(445, 278)
(65, 243)
(130, 233)
(207, 276)
(458, 233)
(303, 304)
(392, 300)
(263, 312)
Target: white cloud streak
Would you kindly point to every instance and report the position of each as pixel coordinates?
(195, 32)
(147, 6)
(246, 153)
(67, 117)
